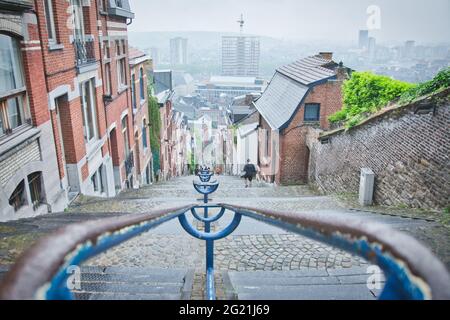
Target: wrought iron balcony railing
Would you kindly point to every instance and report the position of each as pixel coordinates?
(411, 270)
(85, 52)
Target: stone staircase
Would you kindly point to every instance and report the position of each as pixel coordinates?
(123, 283)
(320, 284)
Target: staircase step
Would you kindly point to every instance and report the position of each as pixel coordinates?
(307, 292)
(128, 283)
(315, 284)
(114, 296)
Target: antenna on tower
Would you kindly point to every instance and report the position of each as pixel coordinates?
(241, 23)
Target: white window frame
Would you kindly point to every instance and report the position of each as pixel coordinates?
(125, 136)
(89, 136)
(145, 133)
(108, 87)
(50, 21)
(121, 74)
(19, 93)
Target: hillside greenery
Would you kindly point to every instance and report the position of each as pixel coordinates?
(441, 81)
(366, 93)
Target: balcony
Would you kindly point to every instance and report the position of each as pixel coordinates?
(120, 8)
(16, 5)
(85, 54)
(129, 164)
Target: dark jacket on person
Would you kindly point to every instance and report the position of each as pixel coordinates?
(250, 170)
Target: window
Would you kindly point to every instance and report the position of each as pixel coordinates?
(119, 3)
(118, 48)
(124, 47)
(18, 198)
(13, 103)
(94, 180)
(97, 180)
(133, 91)
(108, 90)
(144, 134)
(106, 50)
(126, 140)
(35, 185)
(100, 176)
(78, 18)
(312, 112)
(103, 5)
(48, 7)
(122, 71)
(89, 110)
(141, 83)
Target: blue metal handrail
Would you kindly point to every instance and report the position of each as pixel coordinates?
(412, 271)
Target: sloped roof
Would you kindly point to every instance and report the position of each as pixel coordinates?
(309, 70)
(247, 129)
(289, 87)
(135, 56)
(280, 100)
(163, 96)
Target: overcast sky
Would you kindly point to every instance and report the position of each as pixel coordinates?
(420, 20)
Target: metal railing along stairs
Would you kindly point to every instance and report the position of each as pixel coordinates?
(42, 272)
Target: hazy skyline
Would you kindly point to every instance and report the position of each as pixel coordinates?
(420, 20)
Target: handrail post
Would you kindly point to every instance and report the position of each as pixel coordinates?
(210, 288)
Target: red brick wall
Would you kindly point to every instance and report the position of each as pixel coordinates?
(57, 137)
(142, 157)
(72, 131)
(35, 82)
(59, 61)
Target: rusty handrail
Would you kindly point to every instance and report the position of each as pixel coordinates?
(35, 269)
(412, 270)
(421, 266)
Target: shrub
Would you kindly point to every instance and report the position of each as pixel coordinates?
(442, 80)
(365, 93)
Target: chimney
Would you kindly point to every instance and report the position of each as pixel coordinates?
(326, 55)
(342, 73)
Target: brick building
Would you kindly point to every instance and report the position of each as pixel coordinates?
(29, 183)
(139, 64)
(66, 102)
(302, 94)
(112, 19)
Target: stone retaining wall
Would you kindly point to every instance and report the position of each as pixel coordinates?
(409, 153)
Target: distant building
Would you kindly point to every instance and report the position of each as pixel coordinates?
(178, 51)
(240, 56)
(372, 48)
(408, 50)
(242, 107)
(364, 39)
(154, 55)
(224, 89)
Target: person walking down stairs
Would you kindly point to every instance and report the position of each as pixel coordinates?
(249, 173)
